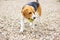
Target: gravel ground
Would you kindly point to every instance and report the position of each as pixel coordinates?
(48, 28)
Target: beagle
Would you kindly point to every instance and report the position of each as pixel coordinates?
(28, 12)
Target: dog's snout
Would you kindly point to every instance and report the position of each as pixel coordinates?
(34, 17)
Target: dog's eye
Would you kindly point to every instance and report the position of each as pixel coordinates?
(30, 13)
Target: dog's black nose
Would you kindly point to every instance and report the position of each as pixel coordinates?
(34, 17)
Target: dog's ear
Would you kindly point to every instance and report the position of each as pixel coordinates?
(39, 10)
(25, 13)
(24, 10)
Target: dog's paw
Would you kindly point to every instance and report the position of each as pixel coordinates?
(21, 31)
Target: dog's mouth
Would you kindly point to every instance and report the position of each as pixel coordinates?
(31, 20)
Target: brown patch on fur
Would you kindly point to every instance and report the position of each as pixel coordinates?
(39, 10)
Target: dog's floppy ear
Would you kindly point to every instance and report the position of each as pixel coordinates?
(39, 10)
(24, 10)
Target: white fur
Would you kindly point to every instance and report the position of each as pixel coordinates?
(22, 21)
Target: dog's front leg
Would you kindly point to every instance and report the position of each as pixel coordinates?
(22, 24)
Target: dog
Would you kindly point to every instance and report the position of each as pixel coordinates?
(28, 12)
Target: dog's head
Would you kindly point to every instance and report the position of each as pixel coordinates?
(28, 12)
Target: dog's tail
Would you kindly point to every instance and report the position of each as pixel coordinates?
(36, 0)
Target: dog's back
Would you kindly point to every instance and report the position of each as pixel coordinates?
(34, 4)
